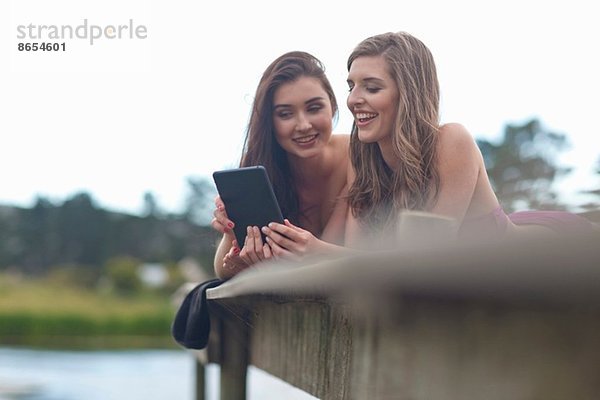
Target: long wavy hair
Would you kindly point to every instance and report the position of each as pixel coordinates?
(260, 144)
(380, 193)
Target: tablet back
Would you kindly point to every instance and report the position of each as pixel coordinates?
(248, 197)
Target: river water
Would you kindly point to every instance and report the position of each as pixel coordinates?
(32, 374)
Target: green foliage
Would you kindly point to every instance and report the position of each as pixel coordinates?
(37, 324)
(176, 278)
(594, 204)
(122, 274)
(74, 275)
(522, 166)
(151, 208)
(596, 191)
(79, 233)
(45, 312)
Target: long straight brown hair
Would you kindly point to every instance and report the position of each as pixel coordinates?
(380, 193)
(260, 144)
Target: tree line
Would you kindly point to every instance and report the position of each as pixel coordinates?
(524, 165)
(79, 233)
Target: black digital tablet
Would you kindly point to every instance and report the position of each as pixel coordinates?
(248, 197)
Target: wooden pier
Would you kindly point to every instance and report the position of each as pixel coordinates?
(510, 320)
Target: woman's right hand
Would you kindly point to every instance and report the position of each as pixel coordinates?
(254, 249)
(221, 221)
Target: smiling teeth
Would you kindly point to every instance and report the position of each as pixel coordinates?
(305, 139)
(365, 115)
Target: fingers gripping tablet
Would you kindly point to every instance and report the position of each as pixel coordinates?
(248, 197)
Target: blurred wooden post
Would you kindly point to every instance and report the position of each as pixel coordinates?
(228, 347)
(233, 355)
(200, 379)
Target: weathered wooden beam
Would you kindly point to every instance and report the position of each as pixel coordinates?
(304, 341)
(437, 349)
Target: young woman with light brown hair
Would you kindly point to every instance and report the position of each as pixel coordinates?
(404, 159)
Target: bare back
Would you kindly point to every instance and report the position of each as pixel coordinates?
(465, 190)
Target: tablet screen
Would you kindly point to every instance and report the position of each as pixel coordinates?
(248, 197)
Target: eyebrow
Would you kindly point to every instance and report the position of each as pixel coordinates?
(311, 100)
(368, 79)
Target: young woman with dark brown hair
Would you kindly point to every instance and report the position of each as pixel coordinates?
(290, 134)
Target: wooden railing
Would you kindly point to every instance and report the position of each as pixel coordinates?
(509, 320)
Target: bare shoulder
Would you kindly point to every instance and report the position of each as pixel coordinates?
(456, 140)
(453, 132)
(340, 146)
(340, 141)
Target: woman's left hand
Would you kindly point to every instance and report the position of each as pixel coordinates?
(289, 241)
(233, 262)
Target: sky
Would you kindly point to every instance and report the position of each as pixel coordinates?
(143, 113)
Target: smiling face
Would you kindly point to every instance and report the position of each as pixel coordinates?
(373, 99)
(302, 117)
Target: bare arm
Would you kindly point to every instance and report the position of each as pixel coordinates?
(459, 165)
(290, 241)
(223, 224)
